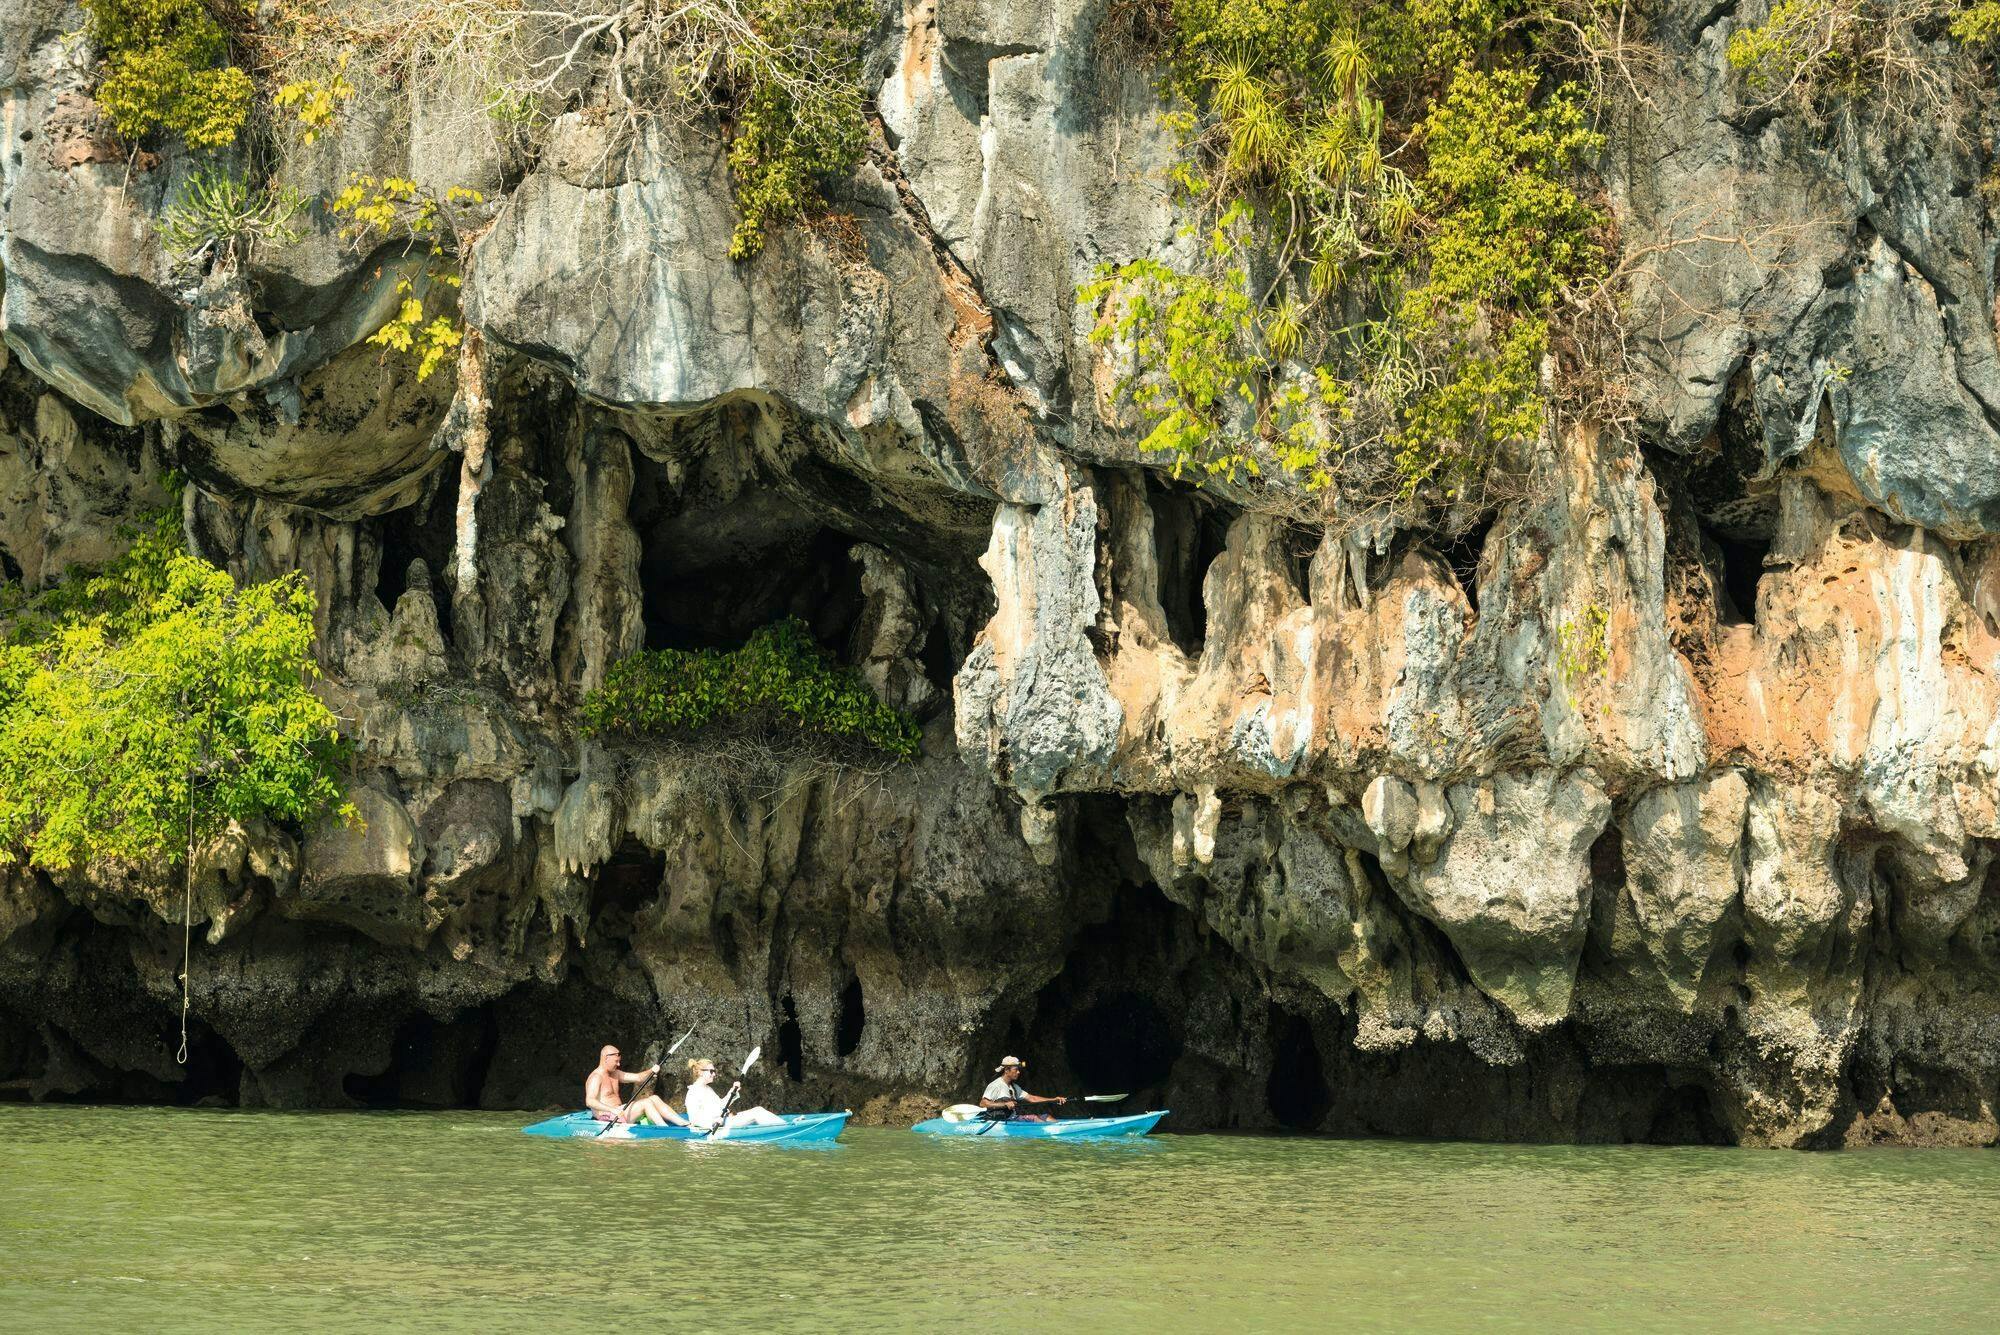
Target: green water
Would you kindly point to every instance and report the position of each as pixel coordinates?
(152, 1219)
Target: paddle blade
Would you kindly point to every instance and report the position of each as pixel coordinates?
(682, 1039)
(1105, 1098)
(751, 1060)
(961, 1112)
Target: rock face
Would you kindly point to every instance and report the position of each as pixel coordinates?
(1661, 807)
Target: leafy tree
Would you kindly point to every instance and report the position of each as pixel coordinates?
(144, 709)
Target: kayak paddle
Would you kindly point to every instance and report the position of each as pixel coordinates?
(1105, 1098)
(722, 1123)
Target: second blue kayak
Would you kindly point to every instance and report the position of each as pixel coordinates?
(1068, 1128)
(797, 1128)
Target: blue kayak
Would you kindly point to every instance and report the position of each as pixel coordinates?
(1068, 1128)
(799, 1128)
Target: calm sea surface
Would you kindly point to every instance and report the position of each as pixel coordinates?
(152, 1219)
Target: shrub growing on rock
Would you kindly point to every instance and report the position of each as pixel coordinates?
(780, 681)
(167, 68)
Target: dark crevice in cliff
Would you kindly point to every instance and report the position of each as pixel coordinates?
(1721, 515)
(1189, 532)
(1301, 546)
(1743, 561)
(852, 1021)
(791, 1040)
(1463, 554)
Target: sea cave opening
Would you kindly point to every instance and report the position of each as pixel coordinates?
(1297, 1091)
(1121, 1042)
(431, 1063)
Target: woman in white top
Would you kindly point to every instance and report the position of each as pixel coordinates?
(704, 1105)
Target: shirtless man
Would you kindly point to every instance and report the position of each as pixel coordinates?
(601, 1093)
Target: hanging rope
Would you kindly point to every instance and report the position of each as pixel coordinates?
(187, 931)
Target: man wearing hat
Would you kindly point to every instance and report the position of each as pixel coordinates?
(1005, 1095)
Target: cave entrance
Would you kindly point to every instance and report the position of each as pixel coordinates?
(1121, 1043)
(213, 1074)
(629, 880)
(719, 606)
(1685, 1115)
(23, 1057)
(426, 531)
(1297, 1091)
(631, 876)
(432, 1063)
(724, 553)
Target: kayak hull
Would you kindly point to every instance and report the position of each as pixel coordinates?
(1071, 1128)
(799, 1128)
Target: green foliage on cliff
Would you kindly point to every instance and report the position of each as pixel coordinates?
(780, 679)
(1881, 58)
(167, 68)
(798, 117)
(1978, 24)
(1391, 220)
(145, 707)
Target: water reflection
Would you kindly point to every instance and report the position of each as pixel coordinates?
(158, 1218)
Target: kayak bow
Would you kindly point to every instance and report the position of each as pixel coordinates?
(798, 1128)
(1069, 1128)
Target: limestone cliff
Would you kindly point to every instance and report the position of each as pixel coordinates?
(1660, 804)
